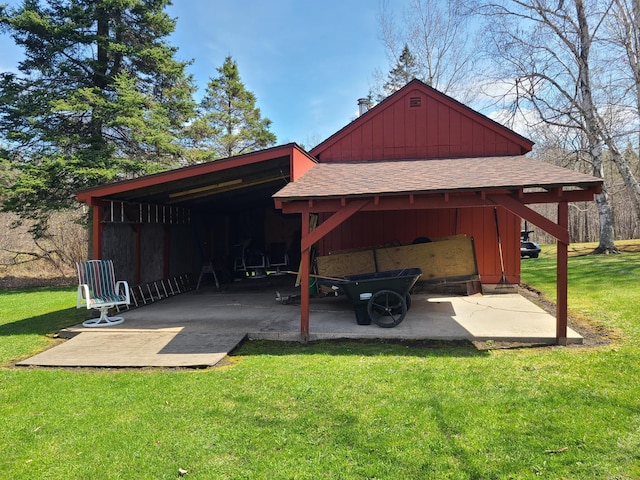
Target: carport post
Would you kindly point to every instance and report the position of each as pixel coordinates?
(304, 279)
(562, 277)
(308, 239)
(96, 231)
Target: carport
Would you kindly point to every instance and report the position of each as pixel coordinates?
(169, 224)
(419, 159)
(343, 189)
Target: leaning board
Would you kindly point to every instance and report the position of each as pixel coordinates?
(347, 263)
(451, 258)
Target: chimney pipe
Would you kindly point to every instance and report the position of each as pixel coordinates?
(363, 106)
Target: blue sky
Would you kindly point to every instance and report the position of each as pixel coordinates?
(307, 61)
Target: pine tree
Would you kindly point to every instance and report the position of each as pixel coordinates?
(229, 122)
(99, 96)
(405, 70)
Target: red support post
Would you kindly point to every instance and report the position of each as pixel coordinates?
(304, 279)
(96, 246)
(562, 277)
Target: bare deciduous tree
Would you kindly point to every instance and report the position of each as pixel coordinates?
(437, 33)
(551, 50)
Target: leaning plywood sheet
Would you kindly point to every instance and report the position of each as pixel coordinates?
(349, 263)
(453, 258)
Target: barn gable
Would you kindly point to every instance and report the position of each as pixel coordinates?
(418, 121)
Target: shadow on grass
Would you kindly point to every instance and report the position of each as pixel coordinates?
(369, 348)
(46, 324)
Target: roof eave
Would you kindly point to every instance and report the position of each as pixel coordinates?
(554, 190)
(189, 171)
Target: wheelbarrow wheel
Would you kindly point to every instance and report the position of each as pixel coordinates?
(407, 301)
(387, 308)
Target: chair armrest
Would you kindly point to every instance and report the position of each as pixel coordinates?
(83, 296)
(125, 287)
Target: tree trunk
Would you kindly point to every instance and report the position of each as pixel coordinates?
(592, 129)
(607, 236)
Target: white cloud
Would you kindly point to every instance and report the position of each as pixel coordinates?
(521, 121)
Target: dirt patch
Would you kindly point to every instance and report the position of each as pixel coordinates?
(594, 335)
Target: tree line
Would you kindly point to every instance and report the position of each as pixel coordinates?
(100, 94)
(567, 72)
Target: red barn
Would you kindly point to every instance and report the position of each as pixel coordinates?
(418, 122)
(419, 164)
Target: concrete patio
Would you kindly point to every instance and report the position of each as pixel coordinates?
(199, 328)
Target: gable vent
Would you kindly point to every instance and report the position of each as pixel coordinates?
(415, 102)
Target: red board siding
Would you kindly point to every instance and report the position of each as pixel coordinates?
(419, 124)
(371, 229)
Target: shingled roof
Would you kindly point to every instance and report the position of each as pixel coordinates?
(330, 180)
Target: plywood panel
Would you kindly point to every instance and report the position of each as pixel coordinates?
(445, 259)
(448, 258)
(377, 229)
(350, 263)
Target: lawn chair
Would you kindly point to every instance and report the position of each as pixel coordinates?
(278, 257)
(99, 290)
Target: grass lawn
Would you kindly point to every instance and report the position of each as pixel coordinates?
(338, 410)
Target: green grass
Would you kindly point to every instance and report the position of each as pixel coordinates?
(602, 289)
(336, 410)
(29, 318)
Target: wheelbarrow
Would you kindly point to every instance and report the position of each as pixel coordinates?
(381, 297)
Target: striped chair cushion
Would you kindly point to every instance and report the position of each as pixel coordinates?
(101, 279)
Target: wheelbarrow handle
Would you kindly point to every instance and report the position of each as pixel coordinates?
(320, 276)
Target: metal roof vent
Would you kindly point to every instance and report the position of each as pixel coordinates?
(363, 106)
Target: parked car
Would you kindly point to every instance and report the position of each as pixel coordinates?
(529, 249)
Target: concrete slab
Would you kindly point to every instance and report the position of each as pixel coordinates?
(198, 329)
(138, 348)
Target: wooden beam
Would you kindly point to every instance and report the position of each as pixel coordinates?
(562, 277)
(216, 189)
(207, 188)
(568, 196)
(332, 222)
(304, 279)
(420, 202)
(307, 241)
(523, 211)
(97, 228)
(423, 201)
